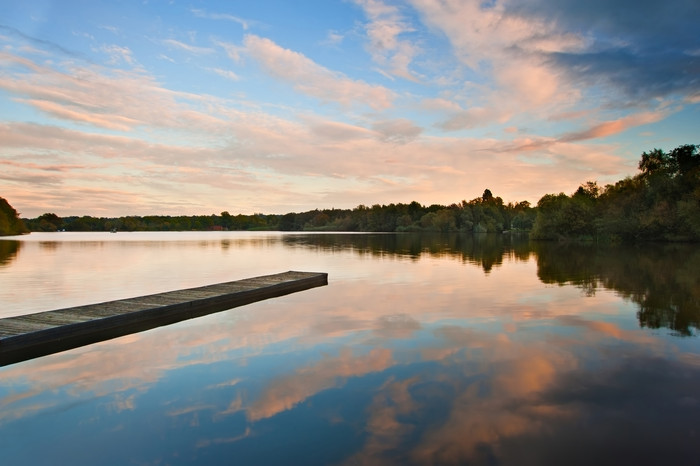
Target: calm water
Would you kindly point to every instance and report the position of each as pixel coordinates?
(421, 350)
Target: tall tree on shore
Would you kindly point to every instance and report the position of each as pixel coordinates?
(10, 223)
(661, 203)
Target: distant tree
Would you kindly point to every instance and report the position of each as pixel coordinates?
(226, 219)
(47, 222)
(288, 222)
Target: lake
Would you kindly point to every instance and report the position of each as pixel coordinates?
(423, 349)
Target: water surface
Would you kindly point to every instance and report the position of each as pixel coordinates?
(421, 350)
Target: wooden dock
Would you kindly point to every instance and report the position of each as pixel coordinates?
(34, 335)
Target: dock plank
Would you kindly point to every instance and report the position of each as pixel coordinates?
(34, 335)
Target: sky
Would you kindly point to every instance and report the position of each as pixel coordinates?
(276, 106)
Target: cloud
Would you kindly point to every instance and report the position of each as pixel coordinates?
(136, 136)
(118, 54)
(393, 55)
(228, 74)
(43, 167)
(400, 131)
(540, 58)
(440, 104)
(40, 43)
(114, 122)
(623, 22)
(232, 50)
(336, 131)
(609, 128)
(112, 29)
(470, 118)
(314, 80)
(333, 38)
(622, 46)
(119, 100)
(640, 75)
(487, 32)
(172, 43)
(505, 54)
(245, 24)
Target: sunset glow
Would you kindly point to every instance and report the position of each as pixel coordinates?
(187, 108)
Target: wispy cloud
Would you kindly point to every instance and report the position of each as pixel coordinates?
(393, 54)
(195, 50)
(516, 92)
(228, 74)
(506, 56)
(233, 51)
(112, 29)
(245, 24)
(41, 43)
(118, 54)
(399, 131)
(333, 38)
(77, 114)
(118, 99)
(609, 128)
(313, 79)
(539, 51)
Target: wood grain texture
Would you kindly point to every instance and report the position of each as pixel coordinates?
(34, 335)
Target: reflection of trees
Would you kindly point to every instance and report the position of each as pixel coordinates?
(664, 280)
(8, 251)
(484, 250)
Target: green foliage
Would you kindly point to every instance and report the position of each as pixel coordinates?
(483, 214)
(660, 278)
(10, 223)
(661, 203)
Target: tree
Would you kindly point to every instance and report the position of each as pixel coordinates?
(48, 222)
(226, 219)
(10, 223)
(684, 159)
(653, 162)
(589, 190)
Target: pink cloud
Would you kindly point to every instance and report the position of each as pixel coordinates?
(117, 100)
(115, 122)
(284, 393)
(609, 128)
(313, 79)
(506, 52)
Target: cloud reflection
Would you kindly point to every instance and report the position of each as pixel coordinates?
(424, 360)
(515, 402)
(286, 392)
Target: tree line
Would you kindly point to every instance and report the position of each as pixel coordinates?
(660, 203)
(487, 214)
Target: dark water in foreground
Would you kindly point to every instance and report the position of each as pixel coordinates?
(421, 350)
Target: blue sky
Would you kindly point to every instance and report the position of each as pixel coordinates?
(170, 107)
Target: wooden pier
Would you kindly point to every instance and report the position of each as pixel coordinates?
(34, 335)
